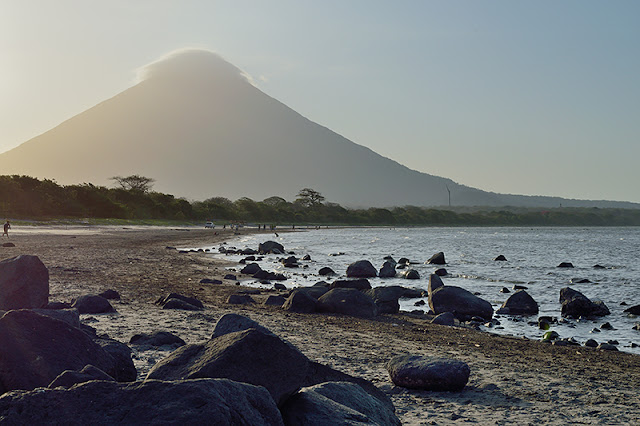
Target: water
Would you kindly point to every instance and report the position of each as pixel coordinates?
(532, 253)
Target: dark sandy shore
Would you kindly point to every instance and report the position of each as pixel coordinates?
(513, 381)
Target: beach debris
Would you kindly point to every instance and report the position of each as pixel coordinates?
(68, 378)
(27, 336)
(271, 247)
(445, 318)
(24, 283)
(336, 403)
(361, 269)
(462, 303)
(388, 270)
(576, 304)
(437, 259)
(428, 373)
(519, 303)
(92, 304)
(347, 301)
(303, 300)
(500, 258)
(326, 271)
(152, 402)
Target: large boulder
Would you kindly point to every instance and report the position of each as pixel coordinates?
(314, 291)
(35, 349)
(411, 274)
(347, 301)
(24, 283)
(326, 271)
(386, 298)
(361, 269)
(576, 304)
(519, 303)
(388, 270)
(71, 316)
(270, 247)
(434, 374)
(124, 370)
(92, 304)
(461, 303)
(334, 403)
(231, 323)
(248, 356)
(203, 401)
(437, 259)
(435, 282)
(68, 378)
(301, 301)
(360, 284)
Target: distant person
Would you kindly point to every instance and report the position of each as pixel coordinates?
(7, 226)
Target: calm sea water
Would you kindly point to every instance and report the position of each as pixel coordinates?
(533, 255)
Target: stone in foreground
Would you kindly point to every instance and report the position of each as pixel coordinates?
(434, 374)
(203, 401)
(24, 283)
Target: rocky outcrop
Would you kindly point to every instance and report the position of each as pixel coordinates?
(460, 302)
(361, 269)
(24, 283)
(150, 402)
(519, 303)
(233, 356)
(434, 374)
(347, 301)
(576, 304)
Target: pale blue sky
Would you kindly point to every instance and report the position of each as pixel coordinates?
(538, 98)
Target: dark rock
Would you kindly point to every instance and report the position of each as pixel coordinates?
(8, 245)
(261, 275)
(607, 347)
(580, 281)
(306, 257)
(460, 302)
(336, 403)
(565, 265)
(361, 284)
(388, 270)
(517, 287)
(157, 338)
(92, 304)
(441, 272)
(210, 281)
(58, 305)
(271, 247)
(591, 343)
(500, 258)
(575, 305)
(347, 301)
(326, 271)
(599, 267)
(124, 370)
(190, 300)
(276, 277)
(250, 269)
(519, 303)
(230, 277)
(279, 367)
(24, 283)
(274, 300)
(110, 295)
(314, 291)
(35, 349)
(403, 261)
(505, 290)
(434, 283)
(386, 298)
(279, 286)
(361, 269)
(70, 316)
(434, 374)
(634, 310)
(68, 378)
(446, 318)
(420, 303)
(203, 401)
(179, 304)
(232, 323)
(290, 262)
(240, 299)
(301, 301)
(411, 274)
(437, 259)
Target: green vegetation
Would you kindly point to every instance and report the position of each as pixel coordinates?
(27, 198)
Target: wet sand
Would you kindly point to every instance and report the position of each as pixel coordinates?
(513, 381)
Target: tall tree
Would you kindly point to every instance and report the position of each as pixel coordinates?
(309, 197)
(134, 183)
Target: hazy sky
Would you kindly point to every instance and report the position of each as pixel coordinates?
(539, 98)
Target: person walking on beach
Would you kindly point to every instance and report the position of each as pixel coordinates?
(7, 226)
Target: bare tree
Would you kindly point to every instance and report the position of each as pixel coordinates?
(134, 183)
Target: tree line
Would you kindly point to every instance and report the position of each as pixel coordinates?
(132, 197)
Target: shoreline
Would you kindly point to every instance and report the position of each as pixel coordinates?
(513, 380)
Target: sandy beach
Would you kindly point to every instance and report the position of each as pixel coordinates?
(513, 381)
